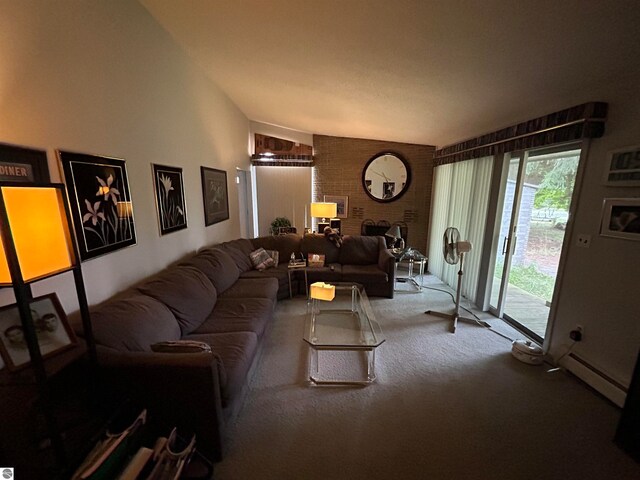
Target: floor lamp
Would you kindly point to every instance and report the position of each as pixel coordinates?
(37, 243)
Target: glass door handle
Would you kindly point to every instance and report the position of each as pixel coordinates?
(504, 245)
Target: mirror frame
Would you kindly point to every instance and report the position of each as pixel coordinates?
(406, 185)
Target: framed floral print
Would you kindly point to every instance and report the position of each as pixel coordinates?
(214, 195)
(100, 202)
(170, 199)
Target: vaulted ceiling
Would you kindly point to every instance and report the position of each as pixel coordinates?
(417, 71)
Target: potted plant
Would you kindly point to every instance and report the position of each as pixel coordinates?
(279, 222)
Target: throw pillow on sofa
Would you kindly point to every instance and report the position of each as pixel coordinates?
(275, 255)
(261, 260)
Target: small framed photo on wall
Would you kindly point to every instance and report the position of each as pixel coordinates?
(623, 167)
(621, 218)
(342, 202)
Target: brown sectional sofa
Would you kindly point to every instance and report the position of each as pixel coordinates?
(216, 297)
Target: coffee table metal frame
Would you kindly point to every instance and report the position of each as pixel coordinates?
(345, 324)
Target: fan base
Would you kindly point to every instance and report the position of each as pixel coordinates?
(454, 317)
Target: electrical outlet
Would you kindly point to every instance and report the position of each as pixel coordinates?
(584, 240)
(577, 334)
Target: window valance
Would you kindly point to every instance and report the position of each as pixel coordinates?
(582, 121)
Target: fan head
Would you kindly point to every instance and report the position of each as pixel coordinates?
(450, 241)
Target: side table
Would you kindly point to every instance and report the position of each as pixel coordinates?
(414, 258)
(292, 268)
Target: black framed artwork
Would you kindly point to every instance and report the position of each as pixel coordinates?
(100, 202)
(214, 195)
(170, 198)
(21, 164)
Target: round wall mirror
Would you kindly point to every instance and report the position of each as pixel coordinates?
(386, 177)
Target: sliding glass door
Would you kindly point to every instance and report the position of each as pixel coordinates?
(537, 190)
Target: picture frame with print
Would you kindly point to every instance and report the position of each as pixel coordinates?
(170, 198)
(100, 202)
(54, 333)
(623, 167)
(22, 164)
(621, 218)
(342, 203)
(215, 195)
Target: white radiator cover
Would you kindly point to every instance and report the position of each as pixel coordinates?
(594, 378)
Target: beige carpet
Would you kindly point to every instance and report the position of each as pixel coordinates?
(445, 406)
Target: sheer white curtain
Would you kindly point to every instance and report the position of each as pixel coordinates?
(460, 199)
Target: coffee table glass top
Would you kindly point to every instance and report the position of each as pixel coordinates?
(345, 322)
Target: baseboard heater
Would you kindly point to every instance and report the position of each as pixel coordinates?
(595, 378)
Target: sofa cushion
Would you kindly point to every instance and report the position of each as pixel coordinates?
(235, 351)
(284, 244)
(359, 250)
(187, 292)
(363, 274)
(217, 265)
(318, 243)
(132, 322)
(324, 274)
(239, 251)
(235, 315)
(261, 260)
(280, 273)
(253, 288)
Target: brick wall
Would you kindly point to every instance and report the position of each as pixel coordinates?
(339, 165)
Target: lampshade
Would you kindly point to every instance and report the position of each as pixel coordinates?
(394, 232)
(323, 291)
(324, 209)
(40, 229)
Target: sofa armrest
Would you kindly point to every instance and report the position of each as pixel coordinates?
(386, 260)
(179, 389)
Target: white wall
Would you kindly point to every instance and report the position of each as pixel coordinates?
(102, 77)
(601, 285)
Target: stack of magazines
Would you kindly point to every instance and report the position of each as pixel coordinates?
(122, 455)
(109, 454)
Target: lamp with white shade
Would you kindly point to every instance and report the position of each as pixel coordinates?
(324, 211)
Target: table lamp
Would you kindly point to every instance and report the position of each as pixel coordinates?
(396, 235)
(324, 211)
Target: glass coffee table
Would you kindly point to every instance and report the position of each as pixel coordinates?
(343, 336)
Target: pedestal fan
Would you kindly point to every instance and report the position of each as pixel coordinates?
(453, 250)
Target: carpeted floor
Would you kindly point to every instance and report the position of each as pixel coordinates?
(445, 406)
